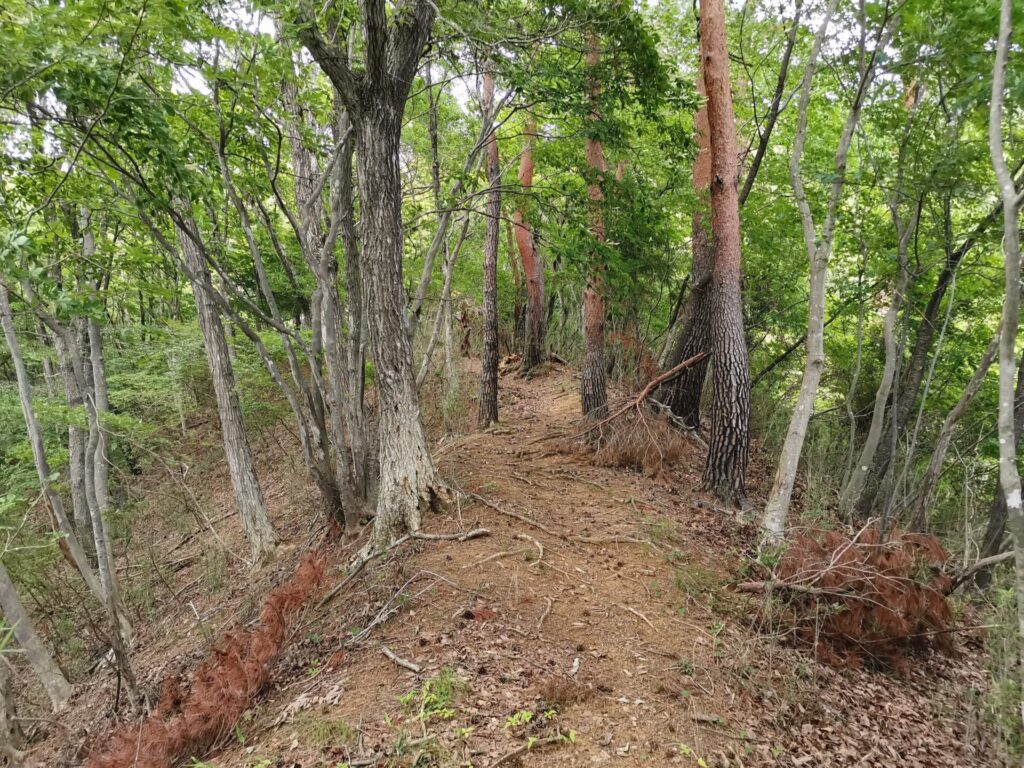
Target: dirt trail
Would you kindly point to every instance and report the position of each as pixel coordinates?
(594, 625)
(602, 631)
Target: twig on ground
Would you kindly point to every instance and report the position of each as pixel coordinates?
(527, 747)
(537, 544)
(544, 615)
(636, 613)
(510, 513)
(405, 663)
(361, 563)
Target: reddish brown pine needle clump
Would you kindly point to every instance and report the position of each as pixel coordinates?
(859, 600)
(188, 723)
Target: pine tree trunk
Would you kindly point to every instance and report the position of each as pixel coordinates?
(489, 358)
(725, 471)
(593, 388)
(248, 497)
(683, 394)
(533, 266)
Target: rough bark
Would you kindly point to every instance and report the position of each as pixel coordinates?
(488, 413)
(46, 669)
(241, 468)
(683, 395)
(534, 351)
(375, 98)
(593, 388)
(729, 446)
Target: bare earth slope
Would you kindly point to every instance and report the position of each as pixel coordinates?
(594, 625)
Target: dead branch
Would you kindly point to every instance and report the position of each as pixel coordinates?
(510, 513)
(544, 615)
(404, 663)
(981, 565)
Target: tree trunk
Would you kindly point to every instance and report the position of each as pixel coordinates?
(248, 497)
(489, 358)
(819, 252)
(729, 446)
(1009, 476)
(533, 266)
(930, 482)
(408, 483)
(46, 669)
(995, 530)
(69, 543)
(77, 445)
(683, 395)
(355, 413)
(593, 389)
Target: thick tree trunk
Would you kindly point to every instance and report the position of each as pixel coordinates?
(408, 484)
(683, 395)
(46, 669)
(729, 446)
(593, 389)
(489, 358)
(69, 542)
(534, 352)
(241, 467)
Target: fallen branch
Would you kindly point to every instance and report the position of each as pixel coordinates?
(510, 513)
(544, 615)
(645, 392)
(404, 663)
(361, 563)
(527, 747)
(537, 544)
(981, 565)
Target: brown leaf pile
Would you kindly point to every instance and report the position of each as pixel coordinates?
(187, 724)
(864, 599)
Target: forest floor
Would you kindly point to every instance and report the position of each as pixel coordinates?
(594, 625)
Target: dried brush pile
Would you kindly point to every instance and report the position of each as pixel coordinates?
(638, 440)
(188, 723)
(861, 599)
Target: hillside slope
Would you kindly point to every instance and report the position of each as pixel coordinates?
(594, 624)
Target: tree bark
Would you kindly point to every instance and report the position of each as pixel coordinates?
(488, 413)
(593, 388)
(819, 251)
(69, 543)
(930, 481)
(729, 446)
(375, 99)
(683, 395)
(46, 669)
(534, 351)
(1009, 476)
(241, 467)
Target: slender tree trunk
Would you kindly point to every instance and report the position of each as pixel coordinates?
(534, 352)
(489, 358)
(46, 669)
(355, 412)
(77, 445)
(1009, 476)
(69, 542)
(683, 394)
(593, 389)
(729, 446)
(930, 482)
(248, 497)
(819, 252)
